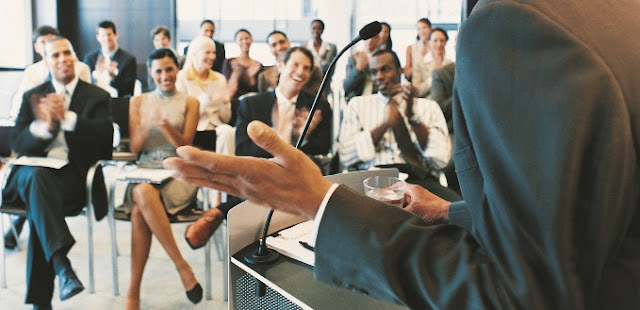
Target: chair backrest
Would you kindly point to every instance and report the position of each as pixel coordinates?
(120, 113)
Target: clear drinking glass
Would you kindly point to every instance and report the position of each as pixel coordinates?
(385, 189)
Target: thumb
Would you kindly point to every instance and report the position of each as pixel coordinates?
(263, 136)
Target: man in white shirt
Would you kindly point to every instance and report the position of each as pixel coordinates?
(35, 74)
(69, 120)
(369, 132)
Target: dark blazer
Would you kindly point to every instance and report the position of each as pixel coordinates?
(546, 110)
(91, 140)
(125, 81)
(220, 56)
(355, 81)
(260, 107)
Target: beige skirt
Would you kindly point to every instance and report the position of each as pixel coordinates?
(175, 195)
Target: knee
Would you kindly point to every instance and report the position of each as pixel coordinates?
(142, 193)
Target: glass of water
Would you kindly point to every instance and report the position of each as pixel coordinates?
(386, 189)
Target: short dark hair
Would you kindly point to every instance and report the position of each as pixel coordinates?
(242, 30)
(301, 49)
(54, 39)
(106, 24)
(396, 60)
(318, 21)
(425, 20)
(207, 21)
(161, 29)
(389, 42)
(446, 36)
(162, 53)
(43, 31)
(276, 32)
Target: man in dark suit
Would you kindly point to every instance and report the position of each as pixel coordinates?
(547, 125)
(269, 108)
(286, 110)
(65, 119)
(112, 68)
(208, 29)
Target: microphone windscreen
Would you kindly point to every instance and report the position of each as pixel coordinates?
(370, 30)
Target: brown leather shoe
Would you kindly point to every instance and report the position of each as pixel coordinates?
(198, 233)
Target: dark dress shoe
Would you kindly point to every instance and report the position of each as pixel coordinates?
(42, 307)
(70, 285)
(10, 241)
(195, 294)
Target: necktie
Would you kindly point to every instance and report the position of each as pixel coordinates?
(407, 149)
(59, 147)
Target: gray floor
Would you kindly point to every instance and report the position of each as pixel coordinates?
(161, 286)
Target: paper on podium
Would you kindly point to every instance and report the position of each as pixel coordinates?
(146, 175)
(46, 162)
(287, 242)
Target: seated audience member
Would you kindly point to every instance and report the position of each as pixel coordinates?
(385, 37)
(37, 73)
(197, 79)
(160, 121)
(208, 29)
(357, 82)
(161, 38)
(417, 50)
(242, 71)
(268, 78)
(323, 52)
(34, 75)
(66, 119)
(434, 59)
(392, 128)
(112, 68)
(286, 110)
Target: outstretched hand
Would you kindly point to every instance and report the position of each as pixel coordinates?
(426, 205)
(288, 182)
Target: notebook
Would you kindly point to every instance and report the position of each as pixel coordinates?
(146, 175)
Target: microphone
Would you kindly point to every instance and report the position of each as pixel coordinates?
(265, 255)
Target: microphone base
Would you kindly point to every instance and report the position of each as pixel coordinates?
(256, 259)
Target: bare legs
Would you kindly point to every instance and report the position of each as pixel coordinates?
(148, 217)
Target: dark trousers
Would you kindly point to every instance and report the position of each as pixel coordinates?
(49, 195)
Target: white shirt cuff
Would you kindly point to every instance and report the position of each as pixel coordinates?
(40, 129)
(318, 218)
(69, 122)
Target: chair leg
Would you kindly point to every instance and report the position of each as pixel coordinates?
(89, 214)
(225, 261)
(114, 245)
(3, 280)
(207, 249)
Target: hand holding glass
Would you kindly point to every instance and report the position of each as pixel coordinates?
(386, 189)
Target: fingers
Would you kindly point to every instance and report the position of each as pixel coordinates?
(201, 177)
(263, 136)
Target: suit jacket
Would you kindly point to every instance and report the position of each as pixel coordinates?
(442, 90)
(220, 56)
(125, 81)
(355, 81)
(547, 133)
(89, 142)
(260, 107)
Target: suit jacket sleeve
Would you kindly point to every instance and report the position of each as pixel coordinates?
(23, 141)
(548, 166)
(125, 81)
(319, 141)
(247, 112)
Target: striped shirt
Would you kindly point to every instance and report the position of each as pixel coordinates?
(364, 113)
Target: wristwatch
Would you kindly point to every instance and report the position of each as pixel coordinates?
(415, 121)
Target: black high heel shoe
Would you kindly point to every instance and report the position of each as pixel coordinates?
(195, 294)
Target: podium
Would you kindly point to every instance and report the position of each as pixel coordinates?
(290, 284)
